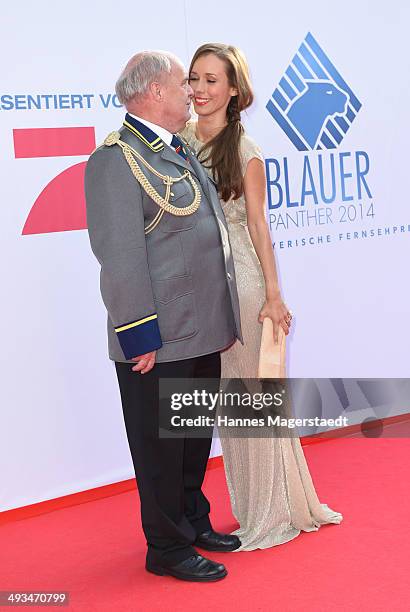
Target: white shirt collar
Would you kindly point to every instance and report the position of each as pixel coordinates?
(160, 131)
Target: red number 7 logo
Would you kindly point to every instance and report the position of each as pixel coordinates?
(60, 207)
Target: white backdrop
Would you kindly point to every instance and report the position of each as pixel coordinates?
(61, 420)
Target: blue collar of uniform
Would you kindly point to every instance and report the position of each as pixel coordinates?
(144, 133)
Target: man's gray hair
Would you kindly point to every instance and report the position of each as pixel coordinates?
(143, 69)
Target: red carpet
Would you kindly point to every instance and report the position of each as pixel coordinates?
(96, 550)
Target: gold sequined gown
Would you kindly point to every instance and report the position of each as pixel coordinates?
(272, 494)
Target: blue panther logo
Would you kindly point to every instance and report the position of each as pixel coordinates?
(309, 112)
(313, 104)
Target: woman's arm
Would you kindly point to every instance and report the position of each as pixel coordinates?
(254, 191)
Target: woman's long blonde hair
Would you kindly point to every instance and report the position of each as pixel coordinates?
(222, 153)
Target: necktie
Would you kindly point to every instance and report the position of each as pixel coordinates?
(179, 147)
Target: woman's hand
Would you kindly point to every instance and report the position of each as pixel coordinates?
(279, 313)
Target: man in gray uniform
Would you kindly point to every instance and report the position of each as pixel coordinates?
(167, 280)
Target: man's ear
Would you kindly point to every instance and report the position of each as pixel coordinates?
(156, 91)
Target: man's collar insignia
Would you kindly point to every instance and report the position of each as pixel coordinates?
(144, 133)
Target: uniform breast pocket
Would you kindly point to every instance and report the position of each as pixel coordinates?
(175, 303)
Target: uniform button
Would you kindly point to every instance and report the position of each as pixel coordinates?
(229, 276)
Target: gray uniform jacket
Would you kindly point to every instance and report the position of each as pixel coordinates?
(174, 289)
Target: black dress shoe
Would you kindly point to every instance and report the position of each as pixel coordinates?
(193, 569)
(210, 540)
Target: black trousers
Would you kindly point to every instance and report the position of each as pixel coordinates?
(169, 471)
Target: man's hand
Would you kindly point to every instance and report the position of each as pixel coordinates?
(145, 363)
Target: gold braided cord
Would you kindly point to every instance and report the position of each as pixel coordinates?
(163, 202)
(151, 226)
